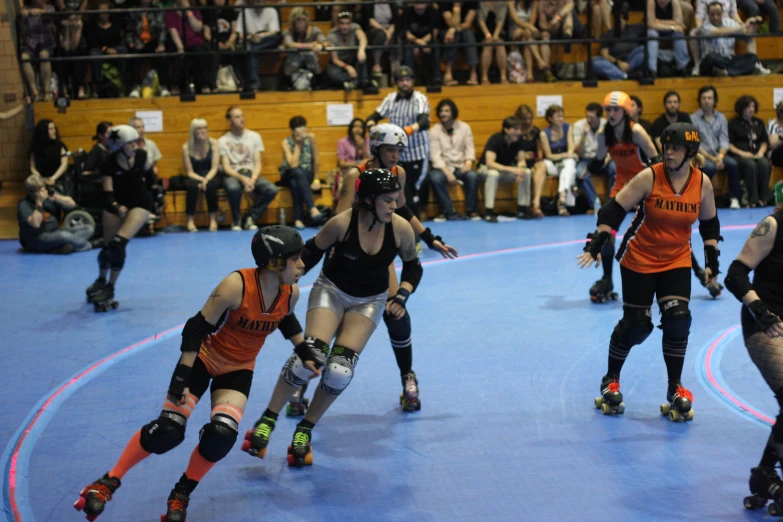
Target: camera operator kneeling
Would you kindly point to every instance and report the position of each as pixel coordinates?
(39, 228)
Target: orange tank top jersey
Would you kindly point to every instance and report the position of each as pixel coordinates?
(660, 236)
(366, 165)
(627, 159)
(242, 333)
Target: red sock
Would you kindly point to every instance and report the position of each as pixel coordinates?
(198, 466)
(132, 455)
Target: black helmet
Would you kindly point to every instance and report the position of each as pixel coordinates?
(374, 182)
(403, 72)
(682, 134)
(275, 242)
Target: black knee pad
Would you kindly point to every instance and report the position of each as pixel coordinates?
(164, 433)
(399, 329)
(676, 319)
(635, 326)
(217, 438)
(103, 259)
(116, 252)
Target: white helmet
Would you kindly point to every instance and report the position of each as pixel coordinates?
(387, 134)
(120, 135)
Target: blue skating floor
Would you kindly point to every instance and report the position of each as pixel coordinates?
(509, 352)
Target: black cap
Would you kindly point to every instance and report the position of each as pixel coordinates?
(374, 182)
(403, 72)
(683, 134)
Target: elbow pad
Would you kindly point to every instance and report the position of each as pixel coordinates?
(289, 326)
(412, 272)
(737, 280)
(595, 166)
(611, 214)
(710, 229)
(311, 254)
(194, 332)
(405, 212)
(424, 121)
(110, 204)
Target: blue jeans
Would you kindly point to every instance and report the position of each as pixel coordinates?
(268, 42)
(298, 180)
(606, 69)
(679, 45)
(441, 189)
(732, 172)
(263, 193)
(586, 181)
(78, 237)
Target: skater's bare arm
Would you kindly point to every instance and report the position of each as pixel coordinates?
(411, 271)
(636, 190)
(643, 140)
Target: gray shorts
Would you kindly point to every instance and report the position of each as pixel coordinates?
(325, 294)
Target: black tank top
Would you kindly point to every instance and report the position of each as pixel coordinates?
(664, 13)
(353, 270)
(202, 166)
(768, 281)
(129, 185)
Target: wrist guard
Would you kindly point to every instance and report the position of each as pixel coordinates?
(402, 296)
(711, 259)
(596, 242)
(110, 204)
(179, 381)
(762, 314)
(429, 238)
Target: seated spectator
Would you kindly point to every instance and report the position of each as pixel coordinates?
(300, 67)
(47, 156)
(104, 37)
(714, 133)
(717, 54)
(39, 228)
(453, 155)
(145, 33)
(353, 149)
(263, 32)
(755, 8)
(223, 23)
(666, 21)
(153, 152)
(523, 29)
(775, 133)
(457, 27)
(71, 44)
(504, 160)
(194, 40)
(240, 157)
(298, 170)
(382, 23)
(671, 114)
(585, 138)
(99, 152)
(559, 157)
(492, 23)
(557, 20)
(201, 157)
(38, 42)
(748, 144)
(347, 69)
(530, 145)
(636, 114)
(421, 22)
(623, 56)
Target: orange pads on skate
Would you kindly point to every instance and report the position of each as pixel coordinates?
(183, 409)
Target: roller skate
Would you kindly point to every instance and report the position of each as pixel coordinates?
(714, 289)
(409, 398)
(92, 499)
(178, 500)
(257, 439)
(602, 291)
(95, 289)
(300, 452)
(765, 484)
(680, 405)
(104, 301)
(297, 404)
(611, 400)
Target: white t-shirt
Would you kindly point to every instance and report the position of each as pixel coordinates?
(153, 152)
(590, 146)
(258, 20)
(240, 150)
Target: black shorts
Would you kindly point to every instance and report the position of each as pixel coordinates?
(239, 380)
(137, 199)
(639, 289)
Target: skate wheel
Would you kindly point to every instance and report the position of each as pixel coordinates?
(114, 305)
(606, 409)
(308, 460)
(665, 408)
(674, 415)
(613, 296)
(690, 415)
(91, 518)
(247, 435)
(774, 509)
(291, 460)
(246, 445)
(598, 402)
(80, 503)
(754, 502)
(621, 408)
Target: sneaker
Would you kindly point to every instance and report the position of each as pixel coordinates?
(491, 218)
(236, 227)
(135, 92)
(348, 86)
(439, 218)
(455, 216)
(734, 204)
(695, 70)
(474, 216)
(760, 69)
(250, 224)
(164, 92)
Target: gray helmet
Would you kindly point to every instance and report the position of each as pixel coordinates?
(120, 135)
(275, 242)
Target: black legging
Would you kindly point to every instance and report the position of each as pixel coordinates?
(191, 200)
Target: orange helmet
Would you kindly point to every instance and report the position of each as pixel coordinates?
(618, 99)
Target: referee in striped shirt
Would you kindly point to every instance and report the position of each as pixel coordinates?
(409, 110)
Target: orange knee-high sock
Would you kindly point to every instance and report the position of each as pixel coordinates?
(132, 455)
(198, 465)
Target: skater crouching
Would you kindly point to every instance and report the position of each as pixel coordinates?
(655, 260)
(128, 202)
(219, 344)
(762, 330)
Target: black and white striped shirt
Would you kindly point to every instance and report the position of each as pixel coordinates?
(402, 112)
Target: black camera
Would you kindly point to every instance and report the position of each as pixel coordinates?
(50, 190)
